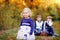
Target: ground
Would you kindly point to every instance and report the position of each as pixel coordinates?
(12, 33)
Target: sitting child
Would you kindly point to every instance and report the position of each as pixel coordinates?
(48, 26)
(38, 25)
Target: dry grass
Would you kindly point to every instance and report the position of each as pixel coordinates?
(47, 38)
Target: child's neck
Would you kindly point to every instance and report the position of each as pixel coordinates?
(39, 20)
(26, 17)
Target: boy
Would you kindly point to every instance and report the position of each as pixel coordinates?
(48, 26)
(38, 25)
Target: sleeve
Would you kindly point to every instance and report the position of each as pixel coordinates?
(35, 25)
(42, 26)
(32, 24)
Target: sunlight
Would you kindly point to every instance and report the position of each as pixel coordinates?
(57, 1)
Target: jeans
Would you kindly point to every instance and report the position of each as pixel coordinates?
(38, 31)
(50, 31)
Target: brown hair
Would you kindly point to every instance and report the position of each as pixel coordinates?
(49, 17)
(38, 16)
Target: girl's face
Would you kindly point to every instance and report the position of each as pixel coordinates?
(25, 14)
(39, 18)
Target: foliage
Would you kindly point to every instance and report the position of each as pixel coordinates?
(10, 11)
(10, 15)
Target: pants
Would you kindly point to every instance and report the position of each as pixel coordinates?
(23, 33)
(50, 31)
(38, 31)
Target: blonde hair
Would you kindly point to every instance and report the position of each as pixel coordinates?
(27, 10)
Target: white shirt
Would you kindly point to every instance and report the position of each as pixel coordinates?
(39, 24)
(49, 23)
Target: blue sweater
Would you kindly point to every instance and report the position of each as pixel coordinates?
(28, 22)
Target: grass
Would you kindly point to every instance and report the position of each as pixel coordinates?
(12, 33)
(9, 34)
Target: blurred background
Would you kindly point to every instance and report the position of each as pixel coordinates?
(10, 15)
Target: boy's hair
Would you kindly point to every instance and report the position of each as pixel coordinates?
(50, 17)
(38, 16)
(27, 10)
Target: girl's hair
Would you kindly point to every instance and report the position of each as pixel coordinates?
(27, 10)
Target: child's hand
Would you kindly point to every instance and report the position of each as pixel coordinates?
(36, 31)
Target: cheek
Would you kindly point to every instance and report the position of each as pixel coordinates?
(39, 18)
(48, 19)
(23, 14)
(27, 14)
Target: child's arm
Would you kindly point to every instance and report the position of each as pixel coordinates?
(32, 26)
(42, 26)
(35, 26)
(49, 23)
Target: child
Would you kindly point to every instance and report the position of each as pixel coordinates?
(48, 26)
(39, 25)
(26, 31)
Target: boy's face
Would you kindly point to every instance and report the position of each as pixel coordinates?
(25, 14)
(49, 19)
(39, 18)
